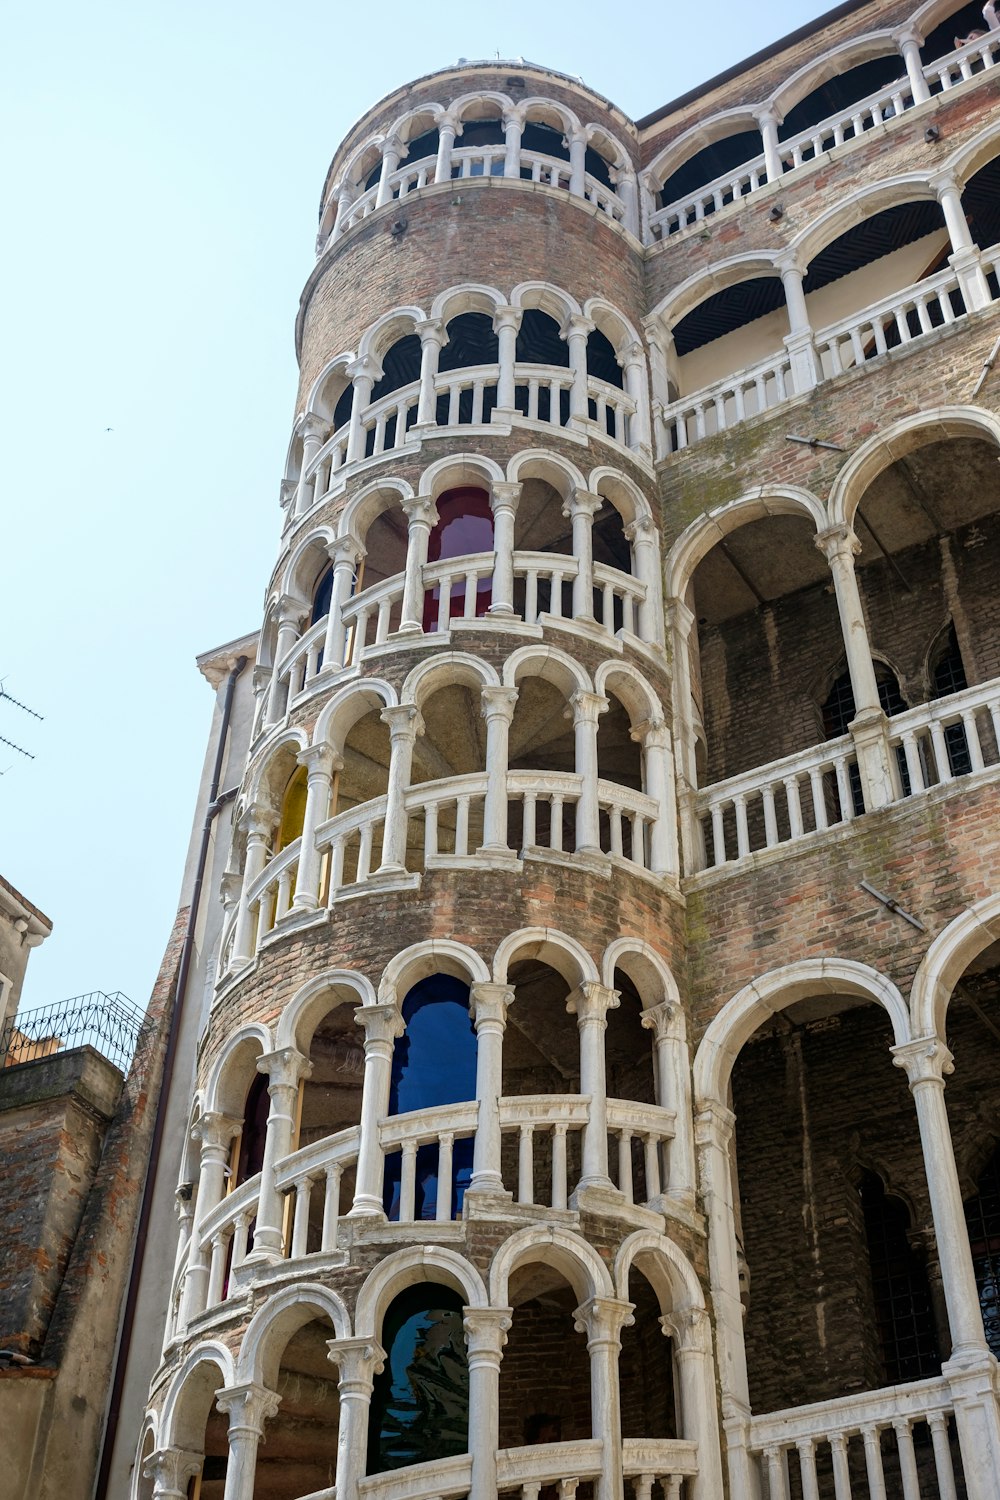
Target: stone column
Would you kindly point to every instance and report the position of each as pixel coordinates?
(393, 151)
(799, 340)
(216, 1132)
(485, 1334)
(498, 711)
(768, 121)
(641, 534)
(364, 373)
(869, 727)
(345, 197)
(504, 500)
(345, 554)
(404, 724)
(713, 1131)
(627, 189)
(965, 258)
(586, 709)
(506, 322)
(658, 765)
(909, 43)
(633, 364)
(359, 1361)
(602, 1320)
(260, 824)
(291, 612)
(421, 516)
(447, 130)
(284, 1070)
(580, 510)
(673, 1091)
(320, 763)
(590, 1003)
(513, 125)
(576, 331)
(971, 1370)
(433, 338)
(382, 1025)
(314, 432)
(248, 1407)
(577, 143)
(170, 1469)
(681, 622)
(689, 1329)
(489, 1004)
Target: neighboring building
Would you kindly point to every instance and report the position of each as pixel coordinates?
(616, 826)
(22, 927)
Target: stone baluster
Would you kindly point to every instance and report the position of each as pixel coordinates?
(673, 1091)
(580, 510)
(433, 337)
(658, 766)
(909, 41)
(447, 131)
(586, 709)
(248, 1407)
(345, 553)
(506, 322)
(768, 121)
(590, 1003)
(869, 727)
(965, 259)
(320, 762)
(364, 373)
(485, 1335)
(799, 340)
(260, 823)
(602, 1320)
(576, 332)
(359, 1361)
(504, 499)
(513, 125)
(215, 1132)
(393, 151)
(290, 613)
(284, 1070)
(421, 516)
(498, 711)
(633, 363)
(382, 1025)
(489, 1004)
(404, 724)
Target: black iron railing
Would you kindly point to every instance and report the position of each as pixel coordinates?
(110, 1024)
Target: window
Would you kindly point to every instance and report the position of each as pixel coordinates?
(420, 1401)
(464, 527)
(948, 676)
(982, 1218)
(899, 1287)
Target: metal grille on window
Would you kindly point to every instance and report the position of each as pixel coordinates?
(899, 1287)
(949, 677)
(982, 1217)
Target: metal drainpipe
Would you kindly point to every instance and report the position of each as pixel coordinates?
(215, 802)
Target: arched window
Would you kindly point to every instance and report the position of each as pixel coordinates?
(434, 1063)
(293, 808)
(420, 1401)
(982, 1218)
(464, 528)
(248, 1147)
(948, 676)
(899, 1287)
(322, 595)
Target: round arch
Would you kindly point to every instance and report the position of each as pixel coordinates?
(259, 788)
(421, 960)
(551, 665)
(632, 690)
(312, 1001)
(740, 1017)
(702, 284)
(309, 557)
(609, 146)
(404, 127)
(561, 952)
(537, 463)
(705, 133)
(318, 402)
(830, 64)
(369, 503)
(549, 112)
(456, 470)
(224, 1094)
(665, 1266)
(946, 960)
(566, 1252)
(405, 1268)
(854, 209)
(619, 331)
(456, 667)
(546, 298)
(468, 297)
(698, 539)
(179, 1427)
(387, 330)
(974, 154)
(647, 969)
(460, 108)
(348, 706)
(278, 1320)
(144, 1450)
(622, 492)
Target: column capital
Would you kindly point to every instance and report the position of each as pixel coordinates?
(713, 1124)
(382, 1024)
(359, 1361)
(259, 820)
(654, 733)
(602, 1320)
(345, 549)
(309, 425)
(587, 707)
(665, 1020)
(925, 1060)
(689, 1328)
(642, 529)
(632, 354)
(448, 122)
(504, 495)
(489, 1004)
(910, 34)
(284, 1067)
(769, 113)
(319, 760)
(581, 503)
(215, 1130)
(420, 510)
(405, 721)
(287, 490)
(432, 331)
(498, 702)
(591, 1001)
(578, 134)
(941, 184)
(507, 317)
(289, 610)
(486, 1331)
(247, 1406)
(680, 617)
(577, 326)
(171, 1468)
(367, 365)
(835, 540)
(788, 265)
(392, 146)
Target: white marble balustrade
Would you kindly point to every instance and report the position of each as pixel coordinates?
(635, 1128)
(317, 1171)
(271, 894)
(727, 402)
(440, 1479)
(921, 735)
(899, 319)
(966, 62)
(224, 1237)
(873, 1432)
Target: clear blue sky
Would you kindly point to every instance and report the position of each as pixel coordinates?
(162, 175)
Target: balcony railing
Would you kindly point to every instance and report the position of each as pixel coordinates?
(728, 402)
(861, 1435)
(523, 1472)
(782, 802)
(110, 1024)
(901, 318)
(224, 1237)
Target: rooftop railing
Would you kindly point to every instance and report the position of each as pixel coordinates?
(110, 1024)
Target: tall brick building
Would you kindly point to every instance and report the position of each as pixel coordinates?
(612, 880)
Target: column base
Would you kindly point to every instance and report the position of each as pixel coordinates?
(410, 627)
(305, 902)
(367, 1206)
(507, 611)
(870, 732)
(263, 1255)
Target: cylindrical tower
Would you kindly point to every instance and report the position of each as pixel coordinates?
(441, 1238)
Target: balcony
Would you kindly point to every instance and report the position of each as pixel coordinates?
(805, 794)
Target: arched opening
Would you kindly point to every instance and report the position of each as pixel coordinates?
(541, 1058)
(717, 159)
(453, 744)
(400, 368)
(330, 1102)
(541, 740)
(838, 711)
(646, 1379)
(247, 1153)
(322, 594)
(422, 147)
(477, 135)
(543, 1399)
(293, 808)
(363, 778)
(420, 1401)
(900, 1289)
(835, 96)
(631, 1075)
(981, 203)
(472, 344)
(539, 342)
(433, 1064)
(541, 527)
(299, 1453)
(200, 1428)
(962, 25)
(743, 325)
(464, 528)
(143, 1483)
(619, 760)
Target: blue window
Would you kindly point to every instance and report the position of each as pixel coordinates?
(420, 1401)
